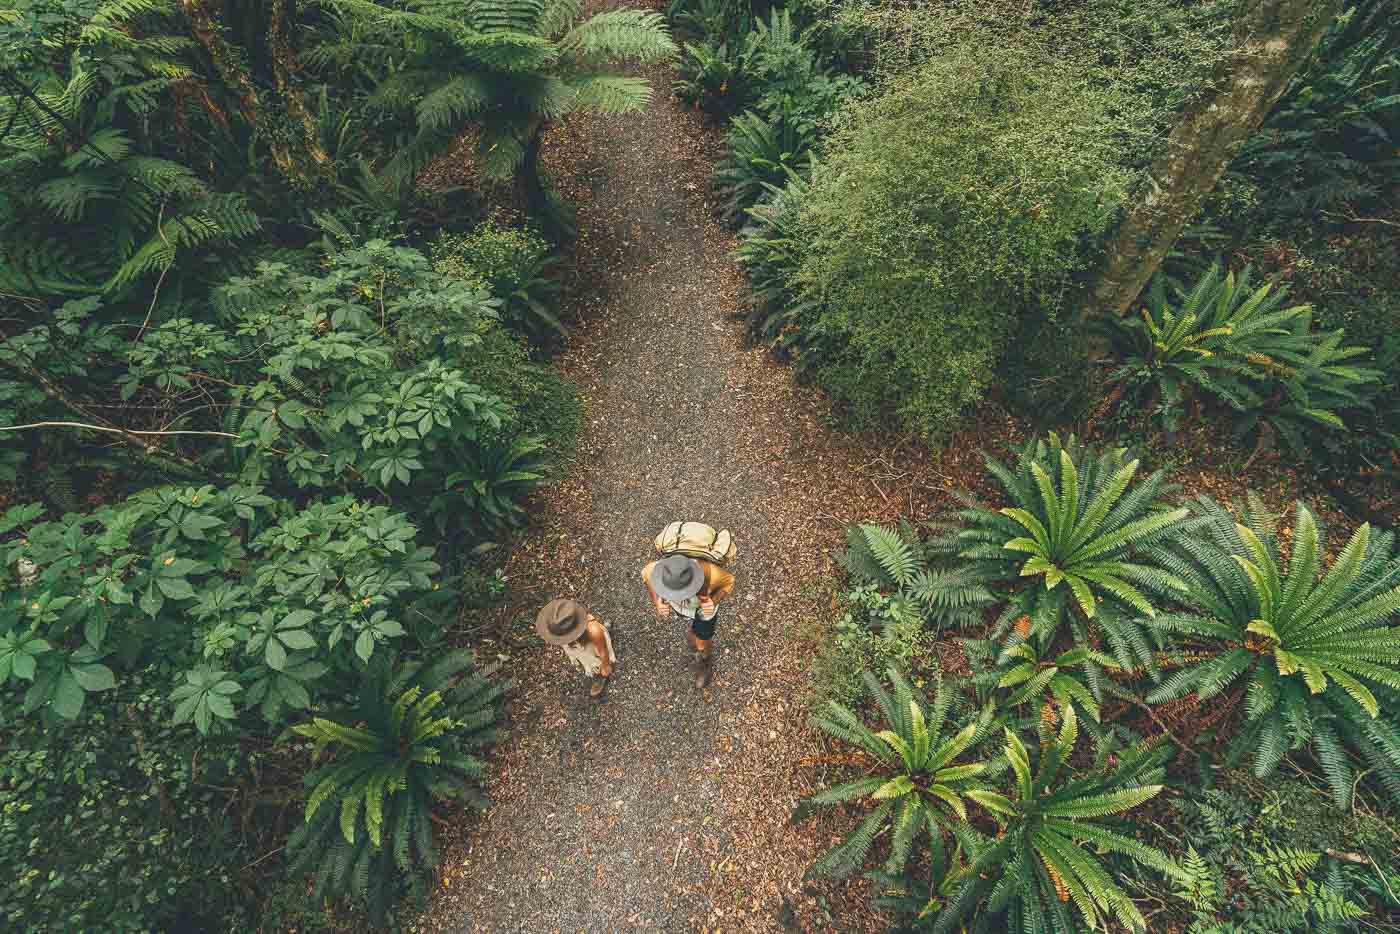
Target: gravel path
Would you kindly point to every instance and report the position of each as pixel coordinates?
(663, 808)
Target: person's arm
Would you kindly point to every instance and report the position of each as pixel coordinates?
(721, 582)
(598, 639)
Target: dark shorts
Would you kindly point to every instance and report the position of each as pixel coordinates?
(704, 629)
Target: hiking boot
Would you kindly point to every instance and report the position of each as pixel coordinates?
(599, 685)
(703, 669)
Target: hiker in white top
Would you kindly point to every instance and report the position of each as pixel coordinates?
(583, 637)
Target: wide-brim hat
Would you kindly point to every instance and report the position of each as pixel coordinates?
(677, 578)
(561, 621)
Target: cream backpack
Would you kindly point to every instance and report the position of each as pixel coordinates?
(696, 540)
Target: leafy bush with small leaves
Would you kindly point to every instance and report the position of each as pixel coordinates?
(121, 793)
(514, 264)
(921, 783)
(1305, 649)
(1044, 857)
(874, 632)
(942, 211)
(407, 747)
(1079, 522)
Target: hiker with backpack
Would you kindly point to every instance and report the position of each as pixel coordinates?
(585, 640)
(688, 580)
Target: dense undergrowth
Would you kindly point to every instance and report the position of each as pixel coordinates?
(1162, 712)
(272, 410)
(273, 403)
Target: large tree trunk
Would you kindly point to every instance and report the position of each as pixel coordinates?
(1273, 38)
(530, 186)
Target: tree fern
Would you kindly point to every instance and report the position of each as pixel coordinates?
(507, 66)
(1304, 647)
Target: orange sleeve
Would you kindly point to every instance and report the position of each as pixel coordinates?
(718, 581)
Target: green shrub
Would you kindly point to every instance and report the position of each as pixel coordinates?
(1055, 828)
(921, 779)
(237, 610)
(761, 154)
(1254, 857)
(1077, 545)
(1228, 341)
(114, 821)
(951, 205)
(874, 633)
(514, 265)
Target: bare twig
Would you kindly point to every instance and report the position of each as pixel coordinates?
(118, 431)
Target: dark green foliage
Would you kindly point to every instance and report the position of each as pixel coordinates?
(897, 562)
(407, 747)
(919, 251)
(715, 76)
(119, 794)
(918, 790)
(1330, 145)
(1224, 342)
(92, 203)
(240, 611)
(515, 266)
(503, 67)
(1304, 650)
(1044, 871)
(1254, 863)
(770, 250)
(761, 155)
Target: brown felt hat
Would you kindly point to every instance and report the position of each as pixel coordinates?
(561, 621)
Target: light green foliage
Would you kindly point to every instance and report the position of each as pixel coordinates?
(1076, 544)
(408, 745)
(1045, 865)
(120, 794)
(921, 782)
(1308, 646)
(1228, 341)
(948, 206)
(237, 610)
(91, 203)
(502, 66)
(514, 264)
(344, 401)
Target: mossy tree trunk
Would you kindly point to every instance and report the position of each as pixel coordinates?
(1272, 39)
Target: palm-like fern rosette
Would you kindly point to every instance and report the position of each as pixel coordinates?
(1080, 526)
(1054, 828)
(407, 745)
(918, 783)
(895, 560)
(1308, 650)
(504, 66)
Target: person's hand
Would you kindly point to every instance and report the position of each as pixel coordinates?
(706, 603)
(663, 609)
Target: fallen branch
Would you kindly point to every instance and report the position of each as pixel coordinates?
(115, 431)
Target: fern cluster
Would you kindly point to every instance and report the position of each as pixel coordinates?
(92, 204)
(368, 815)
(503, 67)
(1229, 342)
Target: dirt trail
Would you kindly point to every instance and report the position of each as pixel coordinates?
(664, 808)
